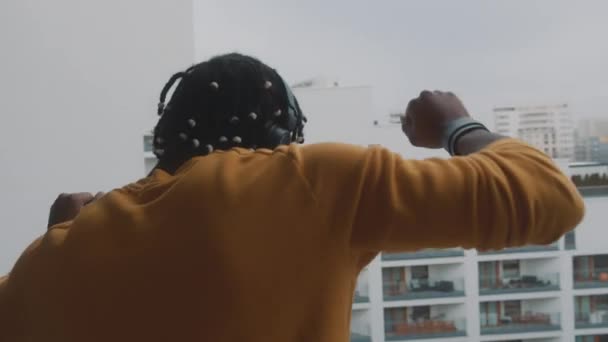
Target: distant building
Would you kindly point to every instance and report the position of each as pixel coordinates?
(592, 141)
(548, 128)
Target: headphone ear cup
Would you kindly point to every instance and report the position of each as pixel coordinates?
(276, 136)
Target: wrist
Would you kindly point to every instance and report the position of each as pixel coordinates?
(456, 129)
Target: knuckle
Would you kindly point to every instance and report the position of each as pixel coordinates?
(425, 93)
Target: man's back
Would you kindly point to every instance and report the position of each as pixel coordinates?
(231, 248)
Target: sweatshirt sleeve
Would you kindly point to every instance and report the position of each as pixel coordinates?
(507, 195)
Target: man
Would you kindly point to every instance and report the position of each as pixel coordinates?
(241, 234)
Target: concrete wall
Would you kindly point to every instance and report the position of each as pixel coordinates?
(363, 284)
(593, 226)
(331, 110)
(360, 322)
(80, 80)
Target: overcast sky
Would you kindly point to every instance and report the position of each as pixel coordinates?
(489, 52)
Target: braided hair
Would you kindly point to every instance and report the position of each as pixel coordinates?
(229, 101)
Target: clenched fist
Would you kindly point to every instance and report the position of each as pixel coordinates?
(427, 115)
(67, 206)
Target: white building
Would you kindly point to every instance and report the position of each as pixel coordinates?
(549, 128)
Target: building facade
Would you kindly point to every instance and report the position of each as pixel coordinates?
(549, 128)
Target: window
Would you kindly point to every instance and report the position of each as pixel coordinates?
(510, 269)
(512, 308)
(570, 240)
(148, 143)
(421, 313)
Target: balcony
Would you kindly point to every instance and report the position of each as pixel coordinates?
(594, 319)
(424, 254)
(525, 249)
(424, 328)
(595, 278)
(490, 285)
(590, 271)
(491, 324)
(592, 338)
(422, 288)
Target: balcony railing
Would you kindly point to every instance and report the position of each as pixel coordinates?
(595, 278)
(423, 328)
(525, 249)
(528, 322)
(524, 283)
(595, 319)
(424, 254)
(361, 297)
(422, 288)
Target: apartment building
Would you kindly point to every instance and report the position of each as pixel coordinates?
(549, 128)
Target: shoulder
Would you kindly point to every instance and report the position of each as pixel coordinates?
(329, 153)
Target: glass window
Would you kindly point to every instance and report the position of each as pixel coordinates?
(148, 143)
(510, 268)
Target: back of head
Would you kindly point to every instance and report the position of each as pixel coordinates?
(229, 101)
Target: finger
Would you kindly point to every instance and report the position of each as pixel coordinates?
(411, 106)
(97, 196)
(425, 93)
(82, 197)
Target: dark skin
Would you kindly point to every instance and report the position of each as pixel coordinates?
(427, 115)
(423, 124)
(67, 206)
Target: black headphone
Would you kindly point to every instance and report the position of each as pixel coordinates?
(290, 126)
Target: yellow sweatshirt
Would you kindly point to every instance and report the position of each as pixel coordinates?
(267, 245)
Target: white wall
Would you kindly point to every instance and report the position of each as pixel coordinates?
(594, 225)
(78, 79)
(360, 322)
(363, 283)
(341, 114)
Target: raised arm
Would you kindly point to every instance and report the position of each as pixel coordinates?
(497, 192)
